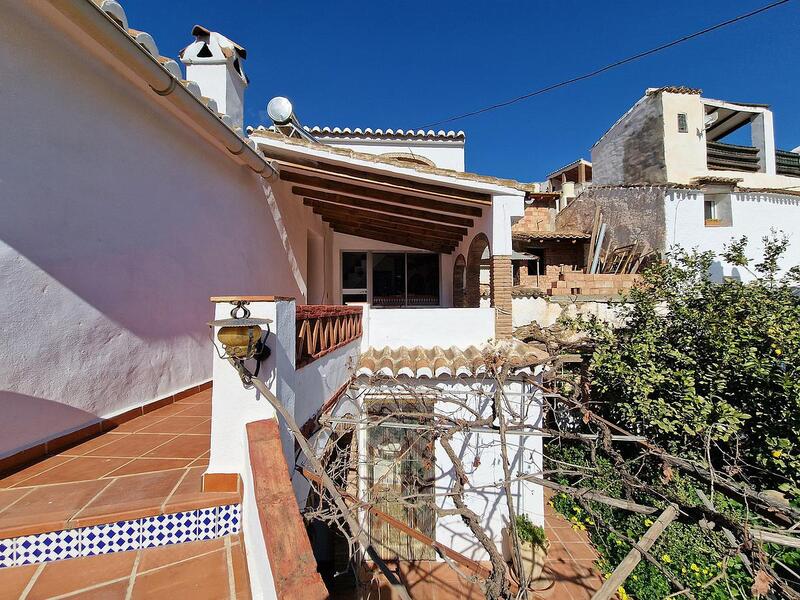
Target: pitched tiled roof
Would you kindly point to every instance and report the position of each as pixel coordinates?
(264, 132)
(368, 133)
(417, 362)
(674, 89)
(565, 234)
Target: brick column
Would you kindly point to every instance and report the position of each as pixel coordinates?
(501, 283)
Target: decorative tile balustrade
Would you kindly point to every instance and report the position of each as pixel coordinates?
(321, 329)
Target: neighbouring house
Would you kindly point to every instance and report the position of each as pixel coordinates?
(132, 196)
(679, 169)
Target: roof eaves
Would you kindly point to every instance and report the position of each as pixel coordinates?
(508, 186)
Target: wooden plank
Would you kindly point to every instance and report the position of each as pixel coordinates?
(397, 183)
(388, 228)
(398, 239)
(358, 219)
(378, 194)
(428, 225)
(381, 207)
(628, 564)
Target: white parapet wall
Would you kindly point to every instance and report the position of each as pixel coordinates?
(427, 327)
(303, 391)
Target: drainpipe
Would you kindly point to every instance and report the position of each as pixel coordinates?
(100, 27)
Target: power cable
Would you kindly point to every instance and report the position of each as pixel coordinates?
(608, 67)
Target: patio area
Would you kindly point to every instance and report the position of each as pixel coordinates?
(147, 466)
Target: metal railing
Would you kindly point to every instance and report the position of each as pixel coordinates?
(730, 157)
(321, 329)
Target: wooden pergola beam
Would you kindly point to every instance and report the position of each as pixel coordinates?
(394, 238)
(378, 194)
(422, 227)
(388, 229)
(398, 183)
(382, 207)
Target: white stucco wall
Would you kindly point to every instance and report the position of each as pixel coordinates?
(444, 154)
(753, 215)
(526, 310)
(481, 456)
(119, 220)
(427, 327)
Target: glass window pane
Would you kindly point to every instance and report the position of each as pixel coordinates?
(354, 298)
(354, 270)
(388, 279)
(423, 279)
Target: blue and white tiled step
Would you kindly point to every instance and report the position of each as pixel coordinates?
(147, 532)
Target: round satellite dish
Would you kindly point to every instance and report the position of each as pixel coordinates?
(279, 110)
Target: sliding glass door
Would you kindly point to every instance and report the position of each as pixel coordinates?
(391, 279)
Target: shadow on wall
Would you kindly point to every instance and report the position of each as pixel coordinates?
(28, 419)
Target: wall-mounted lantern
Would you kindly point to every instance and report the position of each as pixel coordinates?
(240, 337)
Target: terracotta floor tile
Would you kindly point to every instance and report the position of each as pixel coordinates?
(14, 579)
(17, 478)
(139, 423)
(241, 576)
(176, 424)
(47, 507)
(128, 496)
(172, 410)
(111, 591)
(204, 427)
(183, 446)
(153, 558)
(203, 397)
(150, 465)
(196, 410)
(81, 468)
(9, 497)
(200, 578)
(133, 445)
(65, 576)
(94, 444)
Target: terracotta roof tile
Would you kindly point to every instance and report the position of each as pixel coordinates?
(418, 362)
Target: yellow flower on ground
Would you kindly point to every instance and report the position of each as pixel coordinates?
(777, 453)
(694, 567)
(778, 351)
(623, 595)
(619, 542)
(648, 522)
(665, 558)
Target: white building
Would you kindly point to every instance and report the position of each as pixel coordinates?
(666, 174)
(130, 196)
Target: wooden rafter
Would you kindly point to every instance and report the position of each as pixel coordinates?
(394, 238)
(396, 183)
(410, 225)
(382, 207)
(380, 194)
(429, 239)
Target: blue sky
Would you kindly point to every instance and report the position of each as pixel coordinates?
(405, 64)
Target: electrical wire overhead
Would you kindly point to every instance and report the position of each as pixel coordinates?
(608, 67)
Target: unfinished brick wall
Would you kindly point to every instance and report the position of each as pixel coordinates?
(500, 294)
(541, 216)
(601, 284)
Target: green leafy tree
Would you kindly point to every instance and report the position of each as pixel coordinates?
(710, 370)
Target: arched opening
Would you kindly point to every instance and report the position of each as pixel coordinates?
(459, 281)
(478, 259)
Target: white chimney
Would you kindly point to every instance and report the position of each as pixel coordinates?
(215, 63)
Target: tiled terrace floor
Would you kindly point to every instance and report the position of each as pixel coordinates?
(570, 560)
(149, 465)
(213, 570)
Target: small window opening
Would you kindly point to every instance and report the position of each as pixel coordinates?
(237, 65)
(683, 125)
(710, 210)
(205, 52)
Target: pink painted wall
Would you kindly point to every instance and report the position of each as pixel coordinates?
(118, 223)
